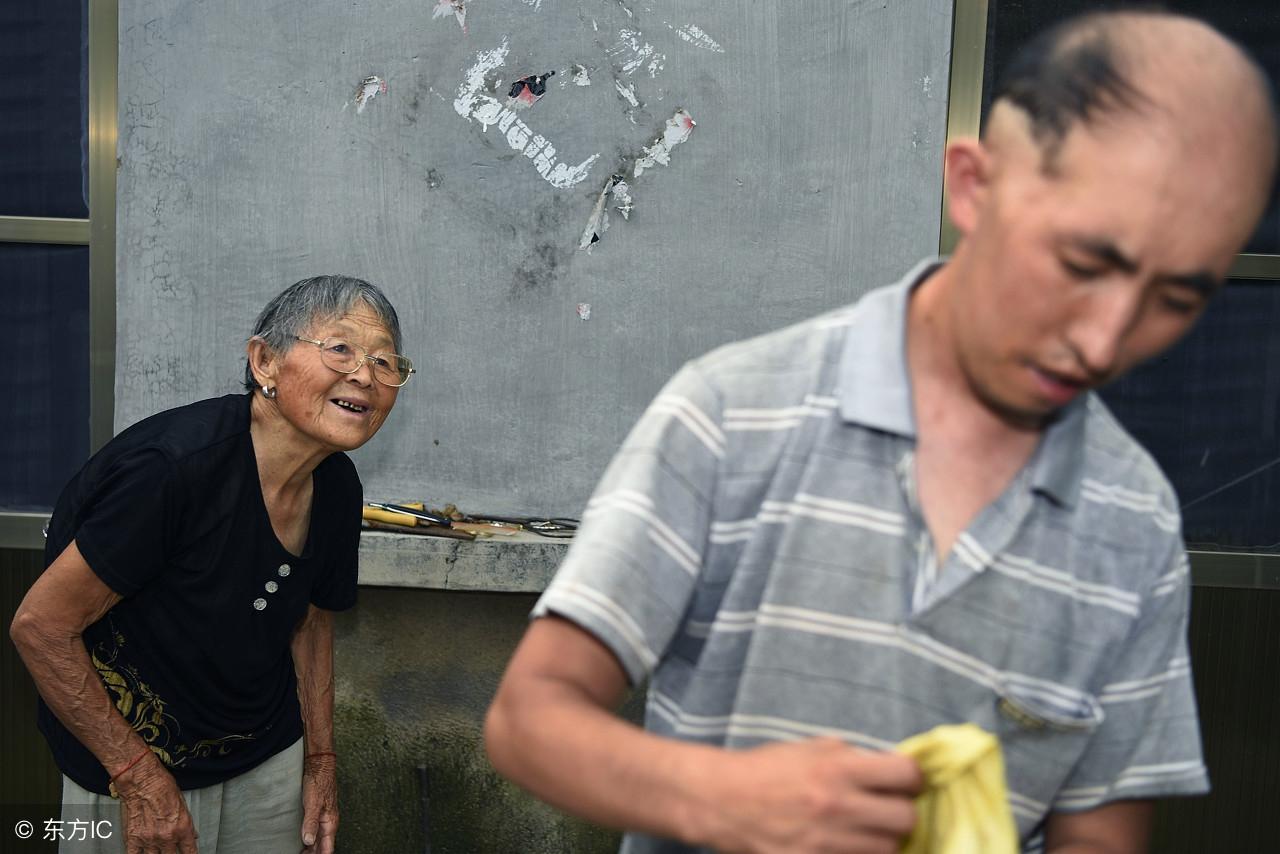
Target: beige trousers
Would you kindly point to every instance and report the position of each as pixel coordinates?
(259, 812)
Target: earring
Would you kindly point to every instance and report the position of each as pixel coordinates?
(269, 392)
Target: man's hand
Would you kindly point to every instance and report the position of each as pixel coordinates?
(319, 804)
(152, 811)
(816, 795)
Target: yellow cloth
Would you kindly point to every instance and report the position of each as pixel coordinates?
(964, 808)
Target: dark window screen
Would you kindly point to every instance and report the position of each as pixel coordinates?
(1209, 411)
(44, 344)
(43, 108)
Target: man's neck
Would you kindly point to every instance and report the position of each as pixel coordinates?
(966, 452)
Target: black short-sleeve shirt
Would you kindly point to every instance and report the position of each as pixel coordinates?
(196, 656)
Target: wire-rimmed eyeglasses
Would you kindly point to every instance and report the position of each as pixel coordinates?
(388, 368)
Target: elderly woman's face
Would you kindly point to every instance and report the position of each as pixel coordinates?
(340, 411)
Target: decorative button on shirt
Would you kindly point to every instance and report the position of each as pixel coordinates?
(272, 587)
(259, 604)
(283, 571)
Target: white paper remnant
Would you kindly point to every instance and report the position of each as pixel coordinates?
(598, 222)
(622, 194)
(677, 130)
(473, 103)
(580, 76)
(369, 88)
(628, 92)
(457, 8)
(584, 311)
(697, 37)
(632, 53)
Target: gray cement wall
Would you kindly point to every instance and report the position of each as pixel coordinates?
(246, 163)
(417, 671)
(813, 173)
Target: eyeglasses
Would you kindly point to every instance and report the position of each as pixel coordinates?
(388, 368)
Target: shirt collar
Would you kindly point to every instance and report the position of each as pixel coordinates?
(874, 388)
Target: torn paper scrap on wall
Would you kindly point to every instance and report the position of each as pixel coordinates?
(580, 76)
(628, 92)
(697, 37)
(527, 91)
(369, 88)
(584, 311)
(598, 222)
(622, 193)
(473, 103)
(677, 130)
(457, 8)
(536, 4)
(631, 53)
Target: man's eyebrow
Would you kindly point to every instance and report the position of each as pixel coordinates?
(1204, 283)
(1105, 251)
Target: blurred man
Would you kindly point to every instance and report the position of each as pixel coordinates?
(914, 511)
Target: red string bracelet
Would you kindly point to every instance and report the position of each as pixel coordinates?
(111, 784)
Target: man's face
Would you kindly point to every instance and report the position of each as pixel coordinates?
(1080, 271)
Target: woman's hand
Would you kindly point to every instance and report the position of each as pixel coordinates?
(319, 803)
(153, 812)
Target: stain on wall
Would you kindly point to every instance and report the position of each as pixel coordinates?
(416, 670)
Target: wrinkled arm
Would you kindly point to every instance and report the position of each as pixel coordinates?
(46, 630)
(1121, 827)
(312, 648)
(552, 730)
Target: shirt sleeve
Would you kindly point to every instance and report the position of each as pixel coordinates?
(336, 582)
(124, 528)
(1148, 744)
(631, 571)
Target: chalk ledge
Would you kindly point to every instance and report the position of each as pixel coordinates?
(523, 563)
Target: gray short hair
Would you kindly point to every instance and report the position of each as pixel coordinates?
(318, 298)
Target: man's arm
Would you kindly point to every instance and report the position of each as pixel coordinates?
(66, 599)
(551, 729)
(312, 648)
(1121, 827)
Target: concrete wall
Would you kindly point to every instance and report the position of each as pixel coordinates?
(417, 669)
(245, 163)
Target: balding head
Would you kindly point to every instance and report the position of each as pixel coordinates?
(1171, 73)
(1125, 162)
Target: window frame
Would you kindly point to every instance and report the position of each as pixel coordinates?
(98, 232)
(1224, 568)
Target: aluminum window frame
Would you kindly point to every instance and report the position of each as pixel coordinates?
(98, 232)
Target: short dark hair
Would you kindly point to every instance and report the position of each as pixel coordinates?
(317, 298)
(1074, 72)
(1068, 73)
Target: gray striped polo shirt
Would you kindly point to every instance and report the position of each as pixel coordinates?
(755, 551)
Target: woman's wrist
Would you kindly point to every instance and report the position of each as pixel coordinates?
(123, 777)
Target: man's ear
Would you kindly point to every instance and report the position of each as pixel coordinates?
(263, 361)
(968, 178)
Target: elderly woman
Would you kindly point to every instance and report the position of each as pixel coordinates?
(181, 636)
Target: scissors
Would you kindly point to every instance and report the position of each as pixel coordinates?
(557, 527)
